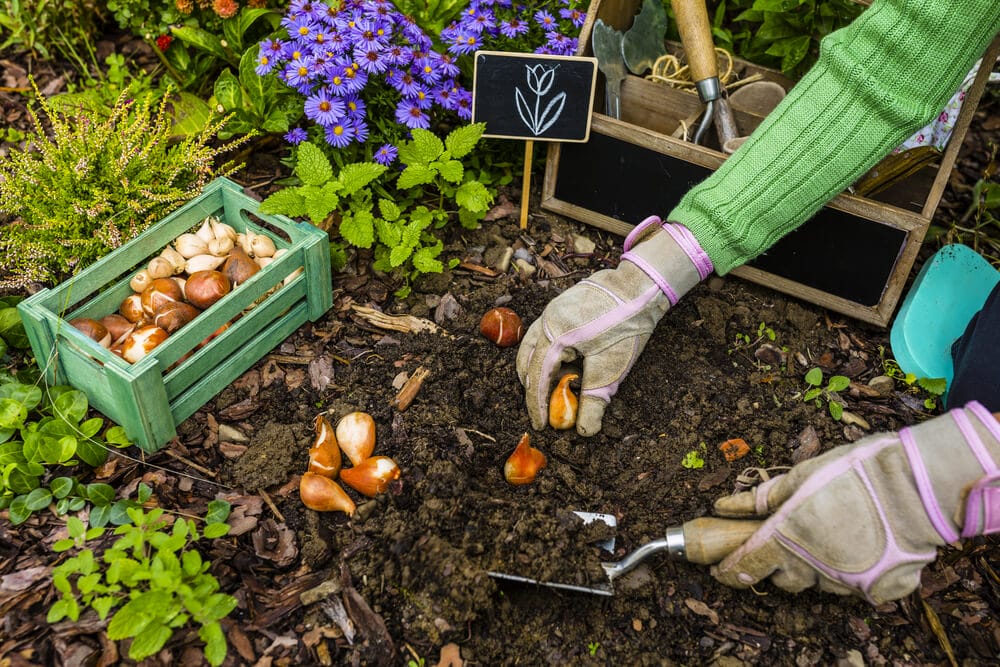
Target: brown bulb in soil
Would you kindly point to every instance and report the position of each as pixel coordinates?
(524, 463)
(372, 477)
(502, 326)
(563, 404)
(356, 436)
(324, 455)
(324, 495)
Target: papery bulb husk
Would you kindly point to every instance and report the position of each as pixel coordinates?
(159, 292)
(322, 494)
(324, 455)
(223, 231)
(262, 246)
(205, 232)
(372, 476)
(93, 329)
(177, 260)
(160, 267)
(239, 267)
(523, 465)
(173, 315)
(563, 404)
(204, 262)
(140, 281)
(190, 245)
(141, 342)
(220, 247)
(356, 436)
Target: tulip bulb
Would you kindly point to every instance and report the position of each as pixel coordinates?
(204, 262)
(563, 404)
(502, 326)
(223, 231)
(140, 281)
(324, 455)
(159, 292)
(131, 308)
(220, 247)
(262, 246)
(160, 267)
(205, 232)
(93, 329)
(172, 315)
(117, 325)
(177, 260)
(245, 241)
(141, 342)
(190, 245)
(372, 476)
(324, 495)
(522, 466)
(239, 267)
(356, 436)
(204, 288)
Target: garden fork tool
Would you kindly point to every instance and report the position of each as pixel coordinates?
(696, 36)
(703, 541)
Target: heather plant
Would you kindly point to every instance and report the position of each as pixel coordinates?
(106, 177)
(542, 26)
(359, 64)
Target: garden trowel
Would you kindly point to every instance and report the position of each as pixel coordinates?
(607, 45)
(703, 541)
(643, 42)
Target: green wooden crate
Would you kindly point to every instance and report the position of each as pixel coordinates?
(151, 397)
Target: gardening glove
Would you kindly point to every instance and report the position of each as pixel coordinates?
(864, 519)
(607, 319)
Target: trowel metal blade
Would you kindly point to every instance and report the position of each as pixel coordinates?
(643, 42)
(596, 589)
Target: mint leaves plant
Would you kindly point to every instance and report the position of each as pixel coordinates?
(433, 188)
(828, 394)
(152, 575)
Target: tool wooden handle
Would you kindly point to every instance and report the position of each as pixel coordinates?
(696, 35)
(708, 540)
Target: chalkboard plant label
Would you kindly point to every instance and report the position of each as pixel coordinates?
(533, 96)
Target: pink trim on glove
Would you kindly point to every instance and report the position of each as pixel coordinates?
(639, 230)
(683, 237)
(926, 490)
(686, 240)
(982, 507)
(654, 275)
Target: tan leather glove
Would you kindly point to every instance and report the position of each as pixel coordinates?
(865, 518)
(607, 319)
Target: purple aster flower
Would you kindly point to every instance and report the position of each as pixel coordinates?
(296, 136)
(404, 82)
(386, 154)
(324, 108)
(273, 48)
(445, 63)
(575, 16)
(446, 96)
(297, 73)
(465, 43)
(463, 105)
(355, 78)
(306, 8)
(366, 34)
(559, 43)
(398, 55)
(426, 72)
(410, 114)
(301, 27)
(265, 63)
(423, 97)
(371, 60)
(359, 131)
(479, 20)
(339, 135)
(355, 107)
(337, 82)
(546, 20)
(513, 27)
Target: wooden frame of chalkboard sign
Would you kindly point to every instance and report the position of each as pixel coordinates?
(533, 96)
(853, 257)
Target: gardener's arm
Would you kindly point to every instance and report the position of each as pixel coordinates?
(864, 519)
(876, 81)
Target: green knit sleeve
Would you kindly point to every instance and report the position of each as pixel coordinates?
(876, 81)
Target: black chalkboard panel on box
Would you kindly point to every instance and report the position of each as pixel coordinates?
(836, 252)
(533, 96)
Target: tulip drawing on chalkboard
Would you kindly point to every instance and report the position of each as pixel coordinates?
(540, 79)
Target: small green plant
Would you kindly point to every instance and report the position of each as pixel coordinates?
(828, 394)
(592, 648)
(933, 386)
(48, 27)
(255, 102)
(106, 178)
(433, 188)
(694, 459)
(155, 578)
(764, 332)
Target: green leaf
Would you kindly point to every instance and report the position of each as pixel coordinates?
(215, 643)
(452, 171)
(191, 114)
(358, 229)
(91, 427)
(814, 377)
(137, 614)
(144, 493)
(388, 233)
(116, 436)
(38, 499)
(91, 452)
(12, 329)
(75, 527)
(12, 413)
(811, 394)
(217, 606)
(415, 174)
(389, 209)
(473, 196)
(424, 259)
(836, 410)
(228, 91)
(463, 139)
(104, 604)
(312, 165)
(426, 145)
(100, 494)
(11, 452)
(28, 395)
(218, 511)
(357, 175)
(321, 201)
(148, 640)
(215, 530)
(838, 383)
(63, 608)
(62, 487)
(18, 511)
(934, 386)
(200, 39)
(287, 201)
(399, 254)
(253, 84)
(71, 406)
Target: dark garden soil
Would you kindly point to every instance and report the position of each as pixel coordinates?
(407, 576)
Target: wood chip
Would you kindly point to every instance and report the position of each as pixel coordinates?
(404, 323)
(410, 389)
(702, 609)
(451, 656)
(939, 632)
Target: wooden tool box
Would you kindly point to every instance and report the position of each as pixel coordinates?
(853, 257)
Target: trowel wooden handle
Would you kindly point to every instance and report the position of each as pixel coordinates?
(696, 35)
(708, 540)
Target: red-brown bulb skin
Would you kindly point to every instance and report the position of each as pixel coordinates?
(502, 326)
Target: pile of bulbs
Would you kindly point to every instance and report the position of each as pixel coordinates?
(354, 435)
(187, 277)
